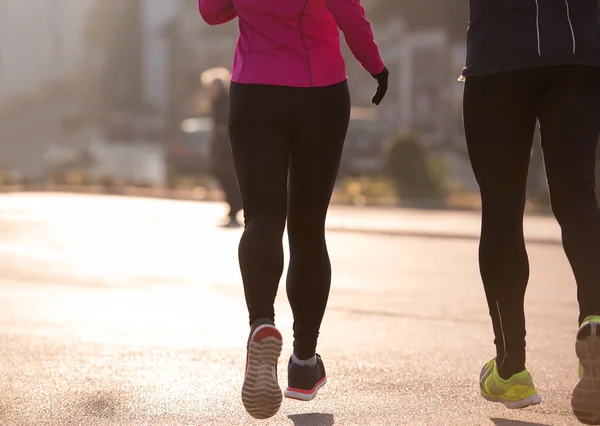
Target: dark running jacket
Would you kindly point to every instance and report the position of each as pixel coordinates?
(507, 35)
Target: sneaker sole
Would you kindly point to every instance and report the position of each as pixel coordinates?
(303, 395)
(517, 405)
(586, 394)
(261, 394)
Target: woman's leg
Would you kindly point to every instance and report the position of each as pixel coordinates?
(322, 116)
(261, 153)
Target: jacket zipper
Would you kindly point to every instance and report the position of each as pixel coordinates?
(571, 25)
(537, 26)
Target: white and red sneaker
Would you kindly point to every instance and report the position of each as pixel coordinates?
(261, 394)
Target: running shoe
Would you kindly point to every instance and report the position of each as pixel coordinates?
(305, 381)
(586, 395)
(261, 394)
(517, 392)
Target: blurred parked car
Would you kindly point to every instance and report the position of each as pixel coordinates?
(188, 153)
(362, 151)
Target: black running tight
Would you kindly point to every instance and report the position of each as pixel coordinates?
(500, 113)
(287, 144)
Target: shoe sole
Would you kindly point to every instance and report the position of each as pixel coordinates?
(517, 405)
(261, 394)
(303, 395)
(585, 400)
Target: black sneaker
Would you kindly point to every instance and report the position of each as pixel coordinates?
(261, 394)
(304, 382)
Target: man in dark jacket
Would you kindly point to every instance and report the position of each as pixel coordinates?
(513, 35)
(222, 164)
(528, 61)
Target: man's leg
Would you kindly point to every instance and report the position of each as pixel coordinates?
(570, 125)
(499, 116)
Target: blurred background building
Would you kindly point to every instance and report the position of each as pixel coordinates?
(110, 91)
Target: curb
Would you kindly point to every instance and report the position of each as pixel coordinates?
(398, 232)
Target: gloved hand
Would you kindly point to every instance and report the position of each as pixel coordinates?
(382, 85)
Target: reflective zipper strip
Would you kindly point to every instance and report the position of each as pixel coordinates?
(570, 25)
(537, 26)
(502, 330)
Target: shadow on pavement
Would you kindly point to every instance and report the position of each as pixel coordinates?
(312, 419)
(418, 233)
(505, 422)
(102, 405)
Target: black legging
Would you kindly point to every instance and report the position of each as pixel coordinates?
(500, 113)
(287, 144)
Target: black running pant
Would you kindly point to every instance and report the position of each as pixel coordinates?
(287, 144)
(500, 113)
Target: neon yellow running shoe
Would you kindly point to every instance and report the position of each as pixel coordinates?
(585, 400)
(517, 392)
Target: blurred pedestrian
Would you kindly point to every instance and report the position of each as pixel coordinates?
(290, 109)
(526, 61)
(221, 159)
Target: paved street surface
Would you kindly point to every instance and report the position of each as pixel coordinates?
(124, 311)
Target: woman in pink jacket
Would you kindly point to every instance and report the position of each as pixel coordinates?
(289, 113)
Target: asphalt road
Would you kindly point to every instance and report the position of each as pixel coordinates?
(125, 311)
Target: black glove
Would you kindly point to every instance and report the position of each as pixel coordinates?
(382, 85)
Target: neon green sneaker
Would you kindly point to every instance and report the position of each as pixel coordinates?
(517, 392)
(586, 395)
